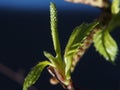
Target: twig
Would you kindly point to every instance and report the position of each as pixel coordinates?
(17, 77)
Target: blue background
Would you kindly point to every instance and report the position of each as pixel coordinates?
(25, 34)
(37, 4)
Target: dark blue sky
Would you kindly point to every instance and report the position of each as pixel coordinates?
(39, 4)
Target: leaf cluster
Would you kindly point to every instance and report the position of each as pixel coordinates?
(61, 66)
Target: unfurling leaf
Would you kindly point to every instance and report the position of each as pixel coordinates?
(79, 34)
(54, 31)
(115, 6)
(34, 74)
(105, 45)
(75, 41)
(51, 58)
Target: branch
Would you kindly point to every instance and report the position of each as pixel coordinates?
(17, 77)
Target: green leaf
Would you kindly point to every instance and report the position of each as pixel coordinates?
(54, 31)
(78, 35)
(115, 6)
(50, 57)
(106, 45)
(34, 74)
(74, 42)
(73, 39)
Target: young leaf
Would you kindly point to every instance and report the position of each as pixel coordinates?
(115, 6)
(105, 45)
(50, 57)
(75, 41)
(78, 35)
(34, 74)
(54, 31)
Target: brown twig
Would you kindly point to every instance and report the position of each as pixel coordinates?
(17, 77)
(95, 3)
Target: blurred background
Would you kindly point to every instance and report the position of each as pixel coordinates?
(25, 34)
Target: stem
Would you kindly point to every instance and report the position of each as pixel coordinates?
(72, 86)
